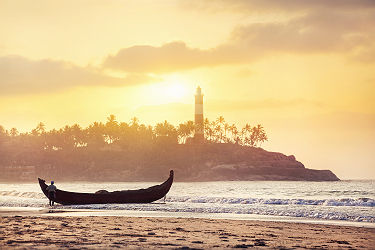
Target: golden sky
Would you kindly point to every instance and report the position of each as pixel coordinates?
(303, 69)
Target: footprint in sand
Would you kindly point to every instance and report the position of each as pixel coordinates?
(197, 242)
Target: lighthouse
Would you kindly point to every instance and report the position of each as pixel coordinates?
(199, 126)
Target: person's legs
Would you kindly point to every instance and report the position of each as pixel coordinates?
(50, 197)
(53, 194)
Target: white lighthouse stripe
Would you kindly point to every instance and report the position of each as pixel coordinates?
(198, 109)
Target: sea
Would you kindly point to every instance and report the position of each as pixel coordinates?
(348, 202)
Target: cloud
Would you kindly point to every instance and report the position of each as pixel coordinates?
(168, 57)
(365, 54)
(316, 31)
(247, 6)
(19, 75)
(345, 27)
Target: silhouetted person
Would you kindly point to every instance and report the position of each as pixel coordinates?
(51, 193)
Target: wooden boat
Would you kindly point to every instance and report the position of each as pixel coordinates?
(102, 197)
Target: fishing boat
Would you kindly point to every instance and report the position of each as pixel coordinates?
(103, 197)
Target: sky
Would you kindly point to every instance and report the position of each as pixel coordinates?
(302, 69)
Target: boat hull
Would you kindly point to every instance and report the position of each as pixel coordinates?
(129, 196)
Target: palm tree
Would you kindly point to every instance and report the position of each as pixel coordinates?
(260, 134)
(13, 132)
(234, 132)
(185, 130)
(182, 133)
(95, 135)
(134, 122)
(112, 132)
(41, 128)
(220, 120)
(190, 127)
(214, 137)
(165, 129)
(78, 136)
(219, 126)
(128, 135)
(53, 140)
(226, 129)
(218, 133)
(245, 134)
(2, 130)
(207, 129)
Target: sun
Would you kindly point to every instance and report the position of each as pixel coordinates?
(170, 90)
(175, 91)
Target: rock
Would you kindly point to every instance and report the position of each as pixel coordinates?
(291, 158)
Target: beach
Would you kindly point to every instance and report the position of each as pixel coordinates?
(282, 215)
(41, 231)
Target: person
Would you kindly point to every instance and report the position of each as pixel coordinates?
(51, 193)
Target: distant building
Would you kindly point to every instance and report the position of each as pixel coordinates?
(199, 126)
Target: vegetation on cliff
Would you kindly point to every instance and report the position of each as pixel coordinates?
(120, 151)
(126, 135)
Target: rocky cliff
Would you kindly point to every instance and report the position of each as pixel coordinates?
(222, 162)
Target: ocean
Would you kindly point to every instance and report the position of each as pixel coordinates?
(342, 202)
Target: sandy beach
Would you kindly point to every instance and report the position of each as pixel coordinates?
(176, 233)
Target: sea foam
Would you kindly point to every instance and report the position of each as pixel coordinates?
(345, 200)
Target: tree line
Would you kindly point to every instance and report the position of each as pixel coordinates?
(130, 134)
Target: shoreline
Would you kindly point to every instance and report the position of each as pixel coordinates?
(56, 212)
(28, 231)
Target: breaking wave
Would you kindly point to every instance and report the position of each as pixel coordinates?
(362, 202)
(352, 201)
(14, 193)
(360, 210)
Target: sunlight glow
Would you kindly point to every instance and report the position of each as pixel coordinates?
(173, 89)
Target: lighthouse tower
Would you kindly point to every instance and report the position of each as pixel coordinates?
(199, 126)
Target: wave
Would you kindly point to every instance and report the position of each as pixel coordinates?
(348, 209)
(14, 193)
(361, 202)
(318, 212)
(356, 210)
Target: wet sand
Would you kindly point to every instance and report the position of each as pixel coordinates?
(132, 232)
